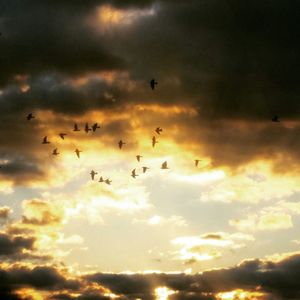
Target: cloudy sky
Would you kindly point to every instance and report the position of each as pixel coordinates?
(226, 229)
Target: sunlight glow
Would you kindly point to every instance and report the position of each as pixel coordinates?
(163, 293)
(109, 15)
(240, 295)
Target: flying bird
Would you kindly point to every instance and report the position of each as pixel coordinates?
(164, 166)
(101, 179)
(133, 174)
(121, 143)
(55, 152)
(93, 173)
(107, 181)
(154, 141)
(45, 140)
(78, 152)
(30, 116)
(275, 119)
(145, 169)
(62, 135)
(158, 130)
(153, 83)
(197, 162)
(138, 157)
(87, 128)
(76, 127)
(95, 126)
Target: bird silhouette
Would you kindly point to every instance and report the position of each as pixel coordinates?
(158, 130)
(93, 173)
(78, 152)
(153, 83)
(107, 181)
(197, 162)
(95, 126)
(133, 174)
(76, 127)
(121, 143)
(145, 169)
(55, 152)
(154, 141)
(275, 119)
(138, 157)
(101, 179)
(62, 135)
(87, 128)
(45, 140)
(164, 166)
(30, 116)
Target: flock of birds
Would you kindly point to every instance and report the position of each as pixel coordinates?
(121, 143)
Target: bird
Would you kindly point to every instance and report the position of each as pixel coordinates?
(101, 179)
(153, 83)
(86, 128)
(145, 169)
(95, 126)
(93, 173)
(138, 157)
(76, 127)
(78, 152)
(133, 174)
(154, 141)
(275, 119)
(107, 181)
(62, 135)
(55, 152)
(158, 130)
(197, 162)
(30, 116)
(121, 143)
(45, 141)
(164, 166)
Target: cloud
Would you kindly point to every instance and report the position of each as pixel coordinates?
(14, 245)
(39, 277)
(208, 246)
(266, 220)
(41, 213)
(257, 279)
(5, 211)
(277, 279)
(228, 84)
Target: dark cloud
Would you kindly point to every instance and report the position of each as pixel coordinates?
(14, 245)
(19, 247)
(41, 278)
(275, 280)
(4, 212)
(83, 296)
(40, 38)
(232, 60)
(214, 236)
(20, 167)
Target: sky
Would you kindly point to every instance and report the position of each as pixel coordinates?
(227, 228)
